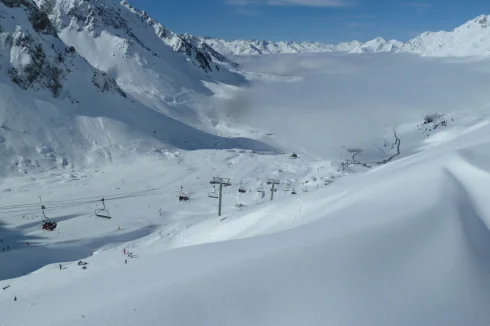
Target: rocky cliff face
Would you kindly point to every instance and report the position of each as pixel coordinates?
(100, 15)
(34, 57)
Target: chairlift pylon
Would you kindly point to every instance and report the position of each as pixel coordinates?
(102, 212)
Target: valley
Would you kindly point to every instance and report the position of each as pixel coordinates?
(355, 183)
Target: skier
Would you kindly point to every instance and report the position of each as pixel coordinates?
(60, 266)
(124, 251)
(125, 261)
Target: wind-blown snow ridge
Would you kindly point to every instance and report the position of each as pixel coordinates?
(470, 39)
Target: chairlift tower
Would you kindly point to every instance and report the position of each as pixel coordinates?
(273, 183)
(221, 182)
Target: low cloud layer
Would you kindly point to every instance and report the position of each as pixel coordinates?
(321, 102)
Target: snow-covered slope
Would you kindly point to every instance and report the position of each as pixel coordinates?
(42, 85)
(470, 39)
(58, 111)
(157, 67)
(378, 45)
(406, 244)
(202, 55)
(403, 244)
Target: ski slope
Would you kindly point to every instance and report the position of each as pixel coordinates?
(360, 243)
(347, 253)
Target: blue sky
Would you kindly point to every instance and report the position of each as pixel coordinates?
(316, 20)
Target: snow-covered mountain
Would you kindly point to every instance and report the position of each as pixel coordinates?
(202, 54)
(58, 110)
(154, 65)
(254, 47)
(44, 85)
(470, 39)
(378, 45)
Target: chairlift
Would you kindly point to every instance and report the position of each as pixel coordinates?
(48, 225)
(213, 194)
(242, 189)
(293, 192)
(261, 188)
(102, 212)
(182, 196)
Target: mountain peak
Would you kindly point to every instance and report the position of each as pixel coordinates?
(469, 39)
(482, 20)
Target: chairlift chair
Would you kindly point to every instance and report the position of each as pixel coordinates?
(242, 190)
(261, 189)
(182, 196)
(48, 225)
(293, 192)
(213, 194)
(102, 212)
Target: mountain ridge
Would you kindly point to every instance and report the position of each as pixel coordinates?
(470, 39)
(83, 88)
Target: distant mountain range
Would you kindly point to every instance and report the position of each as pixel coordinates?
(470, 39)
